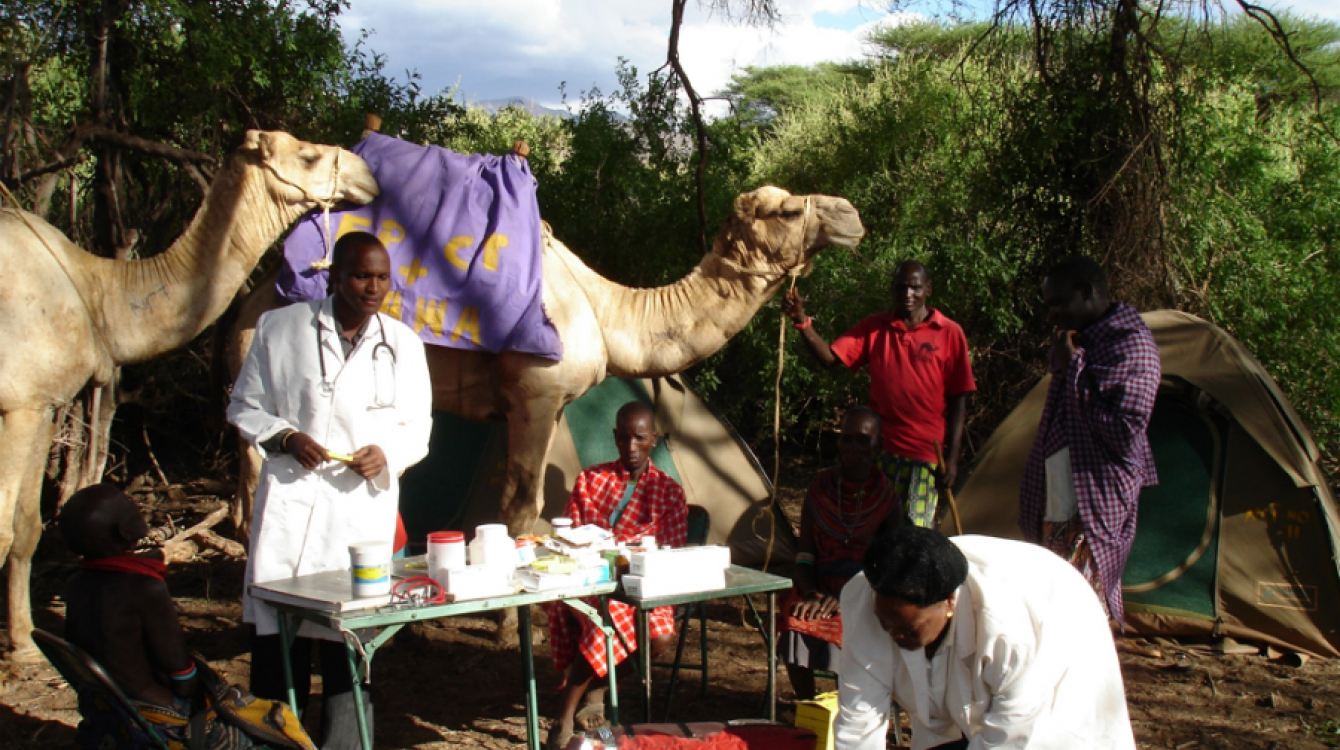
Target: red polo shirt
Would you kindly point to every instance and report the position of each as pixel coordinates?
(912, 375)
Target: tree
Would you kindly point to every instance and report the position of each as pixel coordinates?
(116, 111)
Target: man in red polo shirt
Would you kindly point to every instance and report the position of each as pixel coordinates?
(920, 379)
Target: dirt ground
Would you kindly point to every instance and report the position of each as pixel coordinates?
(449, 684)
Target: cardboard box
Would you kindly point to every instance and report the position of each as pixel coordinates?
(817, 716)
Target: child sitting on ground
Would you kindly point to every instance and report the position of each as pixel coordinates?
(119, 611)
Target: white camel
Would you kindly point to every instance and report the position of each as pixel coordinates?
(607, 329)
(70, 318)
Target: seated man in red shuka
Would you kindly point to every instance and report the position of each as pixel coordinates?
(632, 498)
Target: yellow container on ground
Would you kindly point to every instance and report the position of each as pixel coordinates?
(817, 716)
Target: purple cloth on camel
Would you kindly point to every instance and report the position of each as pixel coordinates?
(463, 233)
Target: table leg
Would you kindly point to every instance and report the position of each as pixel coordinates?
(285, 644)
(607, 624)
(644, 657)
(359, 712)
(528, 664)
(772, 657)
(602, 620)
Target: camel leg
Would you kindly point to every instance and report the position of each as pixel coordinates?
(529, 430)
(22, 433)
(248, 478)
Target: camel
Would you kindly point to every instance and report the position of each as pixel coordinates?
(606, 329)
(72, 318)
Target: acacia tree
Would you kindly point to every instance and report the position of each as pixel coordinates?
(1098, 114)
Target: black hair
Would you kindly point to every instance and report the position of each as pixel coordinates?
(915, 265)
(1078, 269)
(92, 519)
(920, 566)
(339, 255)
(866, 411)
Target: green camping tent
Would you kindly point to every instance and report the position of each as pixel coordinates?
(459, 485)
(1240, 536)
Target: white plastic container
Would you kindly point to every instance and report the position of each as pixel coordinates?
(446, 551)
(492, 546)
(370, 568)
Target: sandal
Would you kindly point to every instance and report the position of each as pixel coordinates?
(590, 716)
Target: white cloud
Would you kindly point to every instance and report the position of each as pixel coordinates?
(1325, 9)
(527, 47)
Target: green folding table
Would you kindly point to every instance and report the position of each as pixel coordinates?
(313, 597)
(740, 581)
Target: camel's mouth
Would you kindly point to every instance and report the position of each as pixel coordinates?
(849, 241)
(363, 193)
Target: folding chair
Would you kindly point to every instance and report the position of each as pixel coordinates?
(699, 524)
(96, 688)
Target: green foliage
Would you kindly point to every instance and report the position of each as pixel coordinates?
(1254, 222)
(761, 94)
(966, 162)
(623, 196)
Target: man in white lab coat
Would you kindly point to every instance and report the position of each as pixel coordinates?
(986, 643)
(336, 398)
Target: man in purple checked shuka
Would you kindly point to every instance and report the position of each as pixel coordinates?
(1091, 457)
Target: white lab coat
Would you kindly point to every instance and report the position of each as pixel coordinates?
(1028, 662)
(304, 521)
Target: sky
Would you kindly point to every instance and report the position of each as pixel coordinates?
(527, 48)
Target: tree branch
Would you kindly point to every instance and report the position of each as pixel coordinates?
(695, 106)
(1271, 23)
(179, 155)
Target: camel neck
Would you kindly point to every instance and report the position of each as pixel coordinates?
(660, 331)
(155, 305)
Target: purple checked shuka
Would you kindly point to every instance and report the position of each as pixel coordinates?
(463, 233)
(1100, 407)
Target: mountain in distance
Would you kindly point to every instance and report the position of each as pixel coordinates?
(492, 106)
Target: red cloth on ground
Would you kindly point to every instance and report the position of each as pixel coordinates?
(912, 375)
(128, 563)
(658, 508)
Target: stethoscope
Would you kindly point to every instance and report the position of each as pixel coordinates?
(327, 387)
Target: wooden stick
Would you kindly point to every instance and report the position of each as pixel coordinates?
(949, 491)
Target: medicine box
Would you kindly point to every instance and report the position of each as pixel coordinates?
(679, 562)
(662, 584)
(817, 716)
(477, 582)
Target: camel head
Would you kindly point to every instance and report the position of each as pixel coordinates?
(308, 175)
(772, 230)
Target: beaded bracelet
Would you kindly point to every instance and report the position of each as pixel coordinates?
(183, 675)
(803, 326)
(804, 558)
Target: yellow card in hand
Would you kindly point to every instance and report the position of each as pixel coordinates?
(345, 457)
